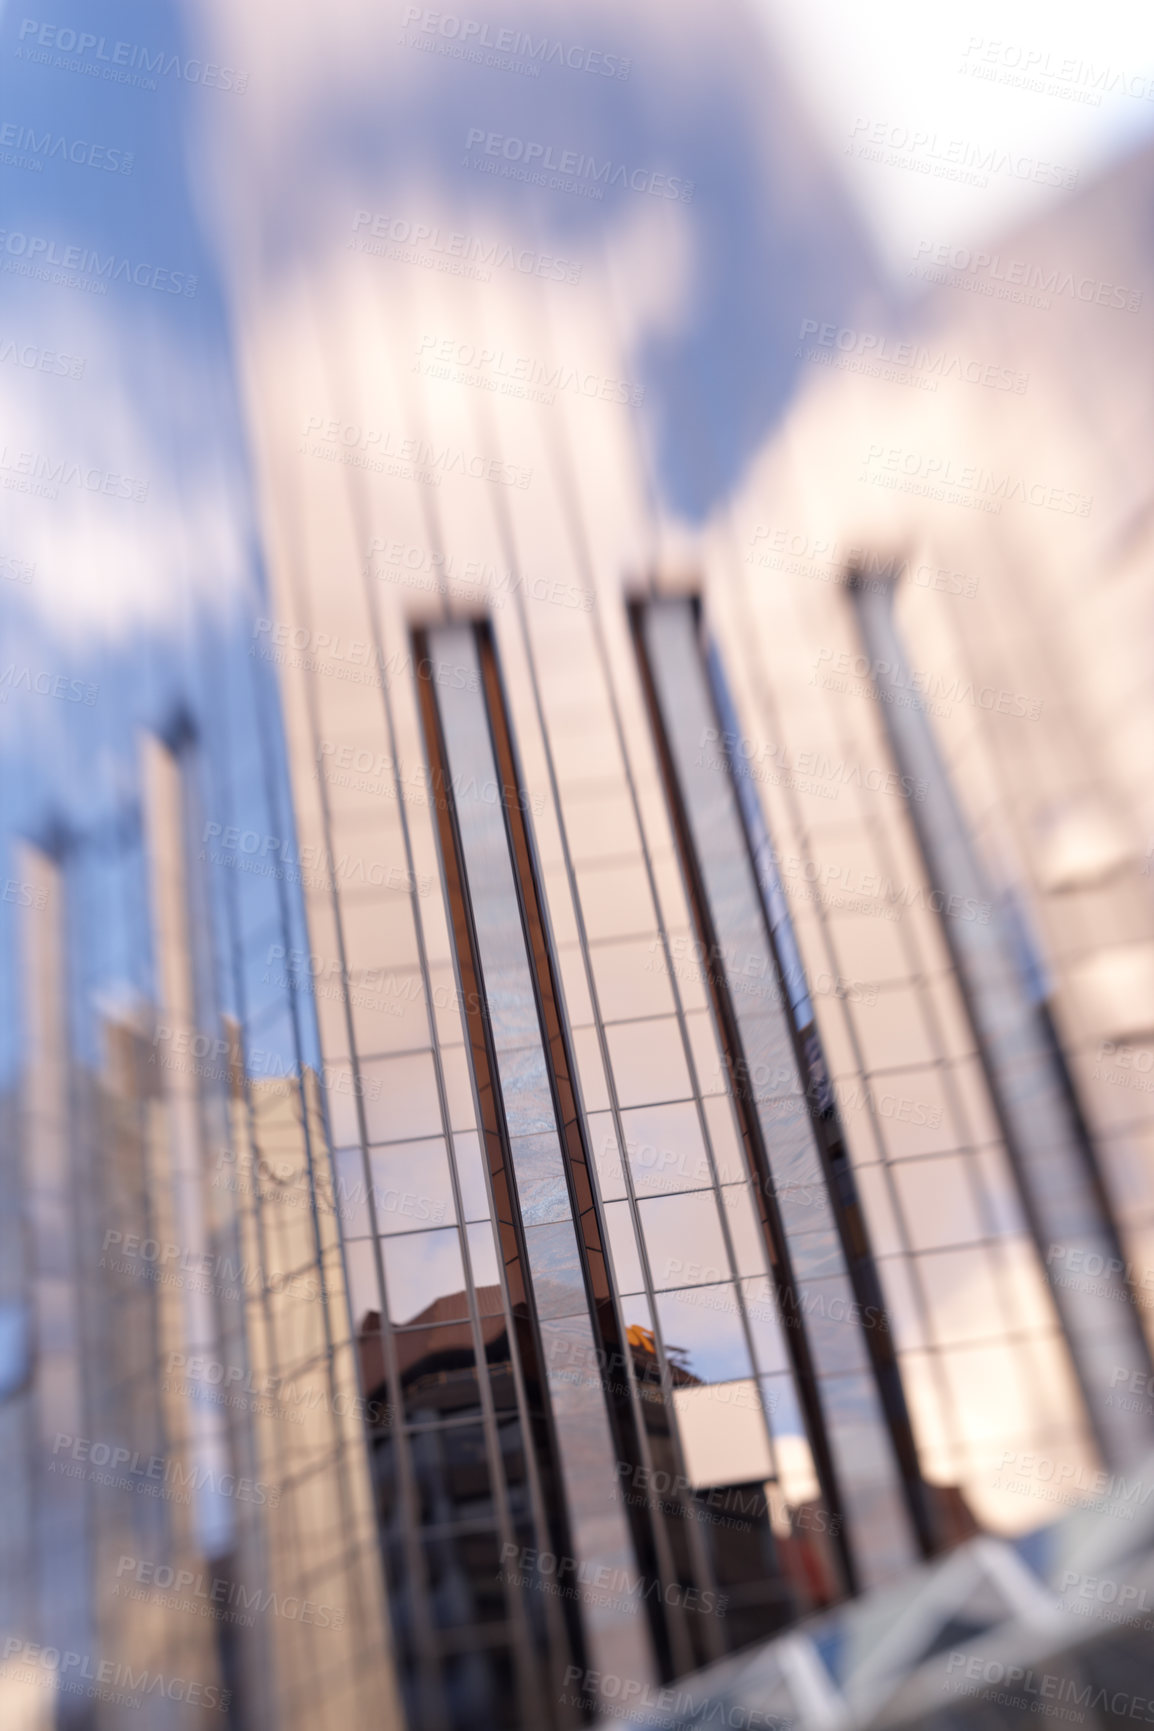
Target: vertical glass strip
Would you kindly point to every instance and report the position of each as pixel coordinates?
(511, 1349)
(213, 1521)
(1061, 1190)
(532, 1127)
(616, 1358)
(703, 1447)
(828, 1129)
(853, 1444)
(59, 1587)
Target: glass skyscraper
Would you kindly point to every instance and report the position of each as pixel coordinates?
(576, 940)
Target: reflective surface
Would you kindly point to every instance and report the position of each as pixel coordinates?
(576, 956)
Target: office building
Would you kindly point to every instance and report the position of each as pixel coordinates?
(579, 964)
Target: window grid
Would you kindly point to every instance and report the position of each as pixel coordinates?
(972, 1458)
(581, 784)
(680, 1649)
(836, 1376)
(432, 1706)
(1061, 1191)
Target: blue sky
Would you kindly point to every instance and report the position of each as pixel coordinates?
(965, 75)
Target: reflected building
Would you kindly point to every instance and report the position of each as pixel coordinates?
(575, 1027)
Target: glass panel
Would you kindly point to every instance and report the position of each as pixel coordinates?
(938, 1202)
(471, 1175)
(558, 1278)
(745, 1229)
(421, 1268)
(648, 1062)
(702, 1333)
(352, 1192)
(412, 1188)
(615, 901)
(364, 1290)
(728, 1153)
(483, 1255)
(606, 1155)
(684, 1240)
(631, 980)
(400, 1098)
(762, 1311)
(665, 1149)
(623, 1245)
(542, 1188)
(723, 1434)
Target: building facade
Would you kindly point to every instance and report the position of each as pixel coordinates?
(572, 1105)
